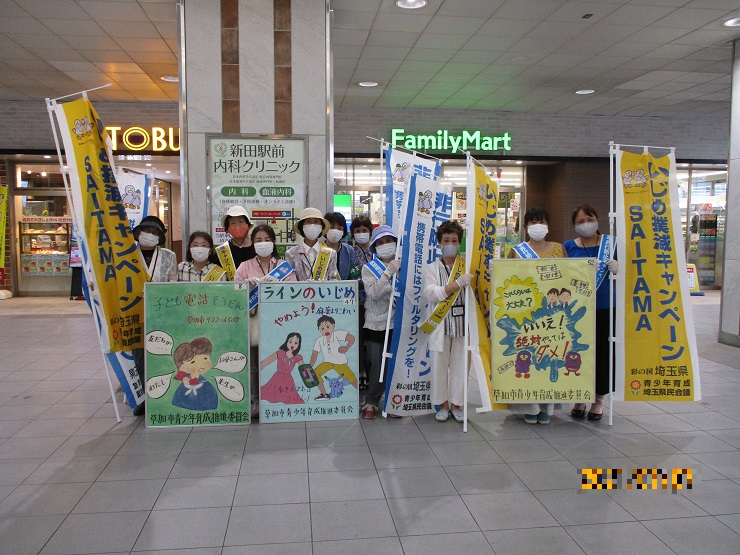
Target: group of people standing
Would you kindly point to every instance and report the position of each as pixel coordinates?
(250, 255)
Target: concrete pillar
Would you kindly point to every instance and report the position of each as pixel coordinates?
(729, 327)
(255, 67)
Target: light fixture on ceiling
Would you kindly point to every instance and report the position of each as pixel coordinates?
(518, 162)
(167, 171)
(585, 91)
(734, 22)
(47, 156)
(43, 174)
(148, 165)
(28, 172)
(170, 78)
(411, 4)
(368, 83)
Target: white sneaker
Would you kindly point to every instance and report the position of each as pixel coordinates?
(442, 415)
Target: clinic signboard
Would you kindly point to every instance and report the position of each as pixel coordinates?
(255, 172)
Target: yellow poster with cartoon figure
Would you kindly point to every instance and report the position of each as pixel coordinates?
(656, 357)
(542, 329)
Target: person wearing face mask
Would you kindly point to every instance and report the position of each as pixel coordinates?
(200, 260)
(258, 270)
(161, 266)
(592, 244)
(361, 228)
(239, 248)
(444, 284)
(536, 223)
(345, 253)
(377, 275)
(311, 259)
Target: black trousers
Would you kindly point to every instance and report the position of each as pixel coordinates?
(374, 346)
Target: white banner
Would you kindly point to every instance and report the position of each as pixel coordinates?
(399, 167)
(135, 189)
(408, 390)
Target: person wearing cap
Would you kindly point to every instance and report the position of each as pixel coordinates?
(239, 248)
(161, 265)
(311, 259)
(377, 276)
(345, 252)
(444, 284)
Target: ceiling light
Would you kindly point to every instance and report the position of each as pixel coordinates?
(47, 156)
(148, 165)
(411, 4)
(586, 91)
(28, 172)
(734, 22)
(43, 174)
(518, 162)
(368, 84)
(168, 171)
(170, 78)
(371, 159)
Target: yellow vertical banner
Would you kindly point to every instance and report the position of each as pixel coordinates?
(481, 217)
(116, 275)
(656, 357)
(3, 225)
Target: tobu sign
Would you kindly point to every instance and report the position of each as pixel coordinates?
(158, 139)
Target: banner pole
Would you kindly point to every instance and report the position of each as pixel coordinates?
(612, 219)
(468, 347)
(50, 106)
(383, 184)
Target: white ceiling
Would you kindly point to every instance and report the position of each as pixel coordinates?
(642, 57)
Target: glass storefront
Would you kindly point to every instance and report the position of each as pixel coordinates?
(703, 194)
(361, 182)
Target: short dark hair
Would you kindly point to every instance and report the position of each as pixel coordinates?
(450, 226)
(565, 290)
(337, 218)
(361, 221)
(323, 319)
(535, 213)
(553, 290)
(186, 351)
(587, 209)
(212, 257)
(270, 233)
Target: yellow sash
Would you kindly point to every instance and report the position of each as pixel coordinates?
(321, 266)
(227, 260)
(440, 312)
(214, 274)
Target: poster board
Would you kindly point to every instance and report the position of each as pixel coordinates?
(197, 354)
(308, 348)
(543, 319)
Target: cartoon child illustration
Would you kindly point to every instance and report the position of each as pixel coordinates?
(564, 297)
(523, 362)
(627, 177)
(192, 361)
(552, 297)
(572, 363)
(280, 388)
(333, 352)
(425, 202)
(640, 177)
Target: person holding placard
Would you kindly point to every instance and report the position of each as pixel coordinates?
(443, 284)
(536, 224)
(311, 259)
(592, 244)
(200, 260)
(265, 267)
(377, 275)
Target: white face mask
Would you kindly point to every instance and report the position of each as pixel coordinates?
(200, 254)
(386, 251)
(537, 231)
(362, 238)
(264, 248)
(334, 235)
(449, 251)
(148, 240)
(312, 231)
(587, 229)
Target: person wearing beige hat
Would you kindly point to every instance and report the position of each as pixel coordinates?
(239, 248)
(311, 259)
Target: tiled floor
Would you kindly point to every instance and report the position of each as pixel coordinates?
(72, 480)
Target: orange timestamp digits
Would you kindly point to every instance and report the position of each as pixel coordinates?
(639, 479)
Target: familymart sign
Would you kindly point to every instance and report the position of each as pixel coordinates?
(445, 141)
